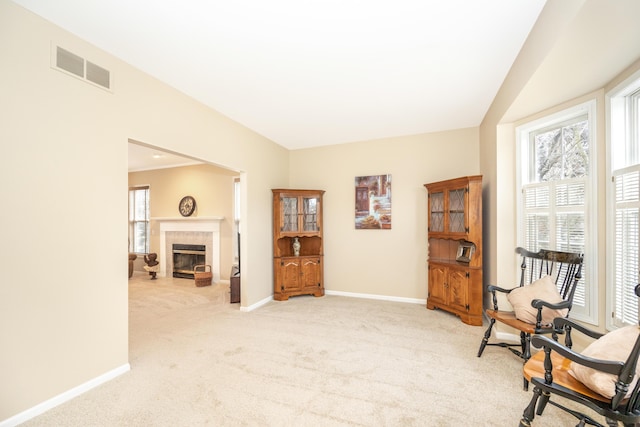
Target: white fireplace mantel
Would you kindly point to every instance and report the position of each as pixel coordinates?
(188, 219)
(190, 224)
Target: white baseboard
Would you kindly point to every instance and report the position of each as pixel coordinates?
(504, 336)
(344, 294)
(254, 306)
(64, 397)
(380, 297)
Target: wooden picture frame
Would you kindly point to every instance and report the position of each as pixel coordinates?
(465, 251)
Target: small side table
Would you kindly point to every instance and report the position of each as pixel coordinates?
(235, 289)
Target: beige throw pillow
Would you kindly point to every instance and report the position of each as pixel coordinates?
(520, 299)
(615, 345)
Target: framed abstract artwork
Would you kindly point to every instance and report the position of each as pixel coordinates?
(373, 202)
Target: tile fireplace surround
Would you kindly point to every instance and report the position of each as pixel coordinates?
(193, 231)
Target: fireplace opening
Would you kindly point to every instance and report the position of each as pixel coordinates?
(185, 257)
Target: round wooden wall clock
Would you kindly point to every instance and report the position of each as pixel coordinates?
(187, 206)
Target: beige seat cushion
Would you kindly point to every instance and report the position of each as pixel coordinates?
(520, 299)
(616, 346)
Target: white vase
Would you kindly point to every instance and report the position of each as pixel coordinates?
(296, 247)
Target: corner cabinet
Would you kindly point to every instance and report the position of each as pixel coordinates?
(297, 243)
(455, 247)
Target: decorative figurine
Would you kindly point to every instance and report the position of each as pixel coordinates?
(152, 264)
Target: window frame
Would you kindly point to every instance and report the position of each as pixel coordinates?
(623, 123)
(132, 222)
(237, 193)
(587, 313)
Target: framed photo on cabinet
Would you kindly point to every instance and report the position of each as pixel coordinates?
(465, 251)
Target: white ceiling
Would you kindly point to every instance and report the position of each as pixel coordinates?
(143, 158)
(313, 73)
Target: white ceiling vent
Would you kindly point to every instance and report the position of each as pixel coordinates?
(78, 66)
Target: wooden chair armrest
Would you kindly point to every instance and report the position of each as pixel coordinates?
(539, 303)
(493, 288)
(563, 323)
(608, 366)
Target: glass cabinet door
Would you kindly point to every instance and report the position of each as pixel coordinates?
(310, 207)
(436, 205)
(289, 207)
(456, 211)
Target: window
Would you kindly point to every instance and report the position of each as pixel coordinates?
(557, 193)
(236, 219)
(139, 220)
(236, 200)
(623, 203)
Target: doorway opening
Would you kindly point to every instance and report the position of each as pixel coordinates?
(217, 190)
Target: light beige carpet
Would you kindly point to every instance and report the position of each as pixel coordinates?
(196, 360)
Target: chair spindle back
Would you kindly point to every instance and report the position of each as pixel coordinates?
(565, 268)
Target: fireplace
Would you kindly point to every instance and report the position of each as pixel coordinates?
(186, 257)
(193, 231)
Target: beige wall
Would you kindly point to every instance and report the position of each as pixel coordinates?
(382, 262)
(211, 186)
(63, 295)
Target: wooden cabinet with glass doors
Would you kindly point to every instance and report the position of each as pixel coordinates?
(297, 243)
(455, 247)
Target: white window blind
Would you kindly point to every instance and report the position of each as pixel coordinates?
(627, 209)
(555, 214)
(623, 203)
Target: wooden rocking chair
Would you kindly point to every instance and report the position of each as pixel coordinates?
(548, 281)
(601, 378)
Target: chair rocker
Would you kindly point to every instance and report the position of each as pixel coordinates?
(606, 375)
(564, 270)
